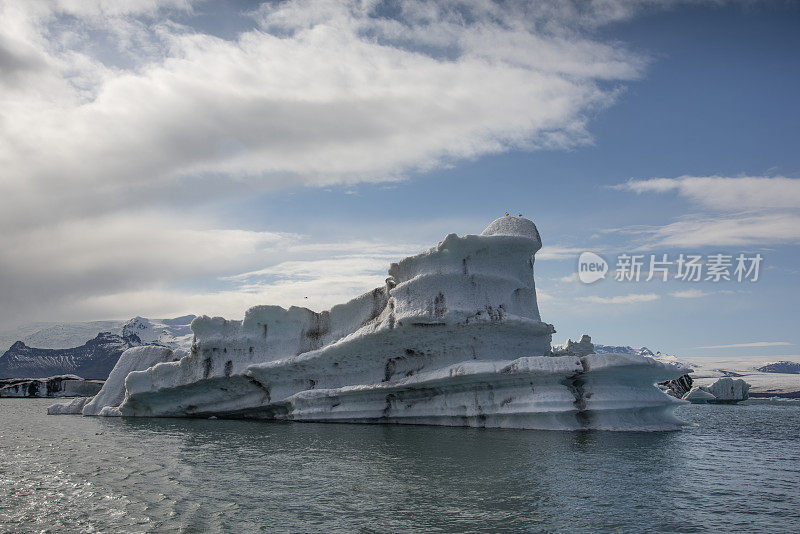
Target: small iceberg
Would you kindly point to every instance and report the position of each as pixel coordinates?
(698, 395)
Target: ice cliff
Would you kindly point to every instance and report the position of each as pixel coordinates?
(53, 386)
(454, 337)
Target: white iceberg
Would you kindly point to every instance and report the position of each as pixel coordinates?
(134, 359)
(723, 391)
(67, 385)
(698, 395)
(729, 389)
(74, 407)
(453, 338)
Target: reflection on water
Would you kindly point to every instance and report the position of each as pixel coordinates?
(738, 469)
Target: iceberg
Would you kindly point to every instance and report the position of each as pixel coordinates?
(135, 359)
(728, 390)
(724, 391)
(698, 395)
(454, 337)
(74, 407)
(54, 386)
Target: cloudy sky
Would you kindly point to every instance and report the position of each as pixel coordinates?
(161, 157)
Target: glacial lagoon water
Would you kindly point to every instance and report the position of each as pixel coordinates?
(738, 470)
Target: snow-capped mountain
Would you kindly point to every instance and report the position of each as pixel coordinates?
(622, 349)
(170, 332)
(93, 358)
(792, 368)
(173, 333)
(58, 335)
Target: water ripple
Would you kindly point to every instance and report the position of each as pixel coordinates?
(736, 470)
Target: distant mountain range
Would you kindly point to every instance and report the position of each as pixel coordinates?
(791, 368)
(612, 349)
(97, 355)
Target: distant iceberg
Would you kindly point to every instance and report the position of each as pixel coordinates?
(454, 337)
(724, 391)
(53, 386)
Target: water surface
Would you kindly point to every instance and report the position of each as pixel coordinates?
(738, 470)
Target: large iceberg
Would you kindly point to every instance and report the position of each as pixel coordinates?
(454, 337)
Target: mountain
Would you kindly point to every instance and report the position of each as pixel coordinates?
(174, 333)
(57, 335)
(94, 358)
(611, 349)
(791, 368)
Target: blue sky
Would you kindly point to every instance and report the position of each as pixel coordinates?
(252, 154)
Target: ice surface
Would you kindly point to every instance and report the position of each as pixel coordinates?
(761, 384)
(697, 395)
(723, 390)
(728, 389)
(50, 387)
(133, 359)
(576, 348)
(453, 338)
(74, 407)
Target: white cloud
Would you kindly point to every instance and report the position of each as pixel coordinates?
(689, 294)
(745, 193)
(331, 268)
(110, 107)
(114, 266)
(321, 292)
(745, 211)
(568, 279)
(754, 344)
(632, 298)
(558, 253)
(721, 231)
(44, 269)
(320, 93)
(316, 283)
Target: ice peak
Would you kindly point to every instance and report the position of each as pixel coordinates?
(513, 226)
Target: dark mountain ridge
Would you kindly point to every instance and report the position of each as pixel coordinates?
(94, 359)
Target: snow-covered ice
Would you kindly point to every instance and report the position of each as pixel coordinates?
(74, 407)
(134, 359)
(454, 337)
(53, 386)
(728, 389)
(723, 390)
(697, 395)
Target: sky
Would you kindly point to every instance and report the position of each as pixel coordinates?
(163, 157)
